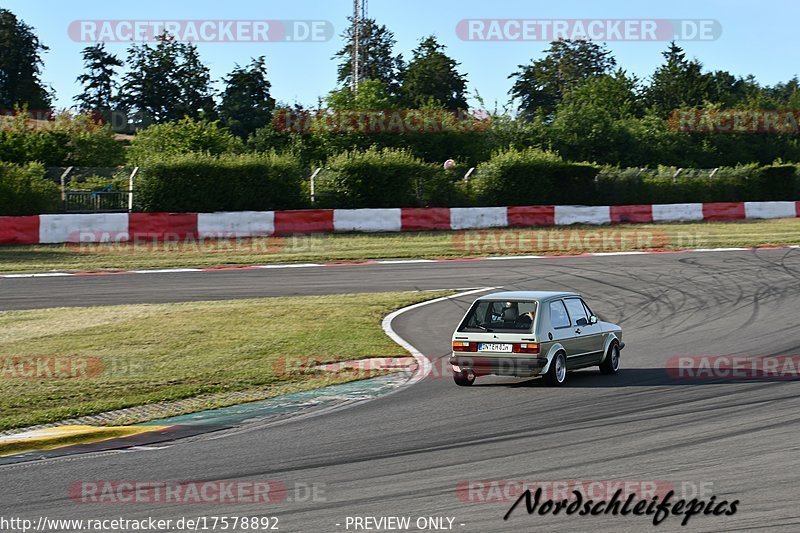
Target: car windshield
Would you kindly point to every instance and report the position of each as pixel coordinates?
(500, 315)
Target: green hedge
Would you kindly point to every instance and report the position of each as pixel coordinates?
(778, 182)
(66, 141)
(378, 178)
(24, 190)
(182, 137)
(229, 182)
(396, 178)
(536, 177)
(728, 184)
(533, 177)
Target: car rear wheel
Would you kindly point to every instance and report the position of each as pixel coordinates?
(610, 364)
(464, 379)
(557, 373)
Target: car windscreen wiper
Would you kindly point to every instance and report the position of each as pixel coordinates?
(484, 328)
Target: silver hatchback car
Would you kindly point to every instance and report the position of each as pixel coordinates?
(527, 333)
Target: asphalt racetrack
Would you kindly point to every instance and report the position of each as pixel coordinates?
(406, 454)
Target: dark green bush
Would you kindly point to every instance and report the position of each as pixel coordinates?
(51, 148)
(727, 184)
(533, 177)
(95, 149)
(230, 182)
(183, 137)
(444, 188)
(68, 140)
(24, 190)
(778, 182)
(378, 178)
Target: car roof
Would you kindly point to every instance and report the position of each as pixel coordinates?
(527, 295)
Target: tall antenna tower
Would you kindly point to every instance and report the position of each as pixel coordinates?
(360, 8)
(356, 45)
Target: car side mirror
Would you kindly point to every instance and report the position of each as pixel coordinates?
(581, 322)
(592, 319)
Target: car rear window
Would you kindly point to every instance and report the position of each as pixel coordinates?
(500, 315)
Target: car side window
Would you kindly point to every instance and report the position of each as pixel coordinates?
(558, 315)
(576, 311)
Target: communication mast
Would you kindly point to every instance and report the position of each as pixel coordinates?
(359, 15)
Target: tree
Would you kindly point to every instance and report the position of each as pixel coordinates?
(371, 95)
(541, 85)
(246, 101)
(678, 83)
(21, 65)
(375, 55)
(195, 79)
(787, 94)
(616, 94)
(590, 122)
(98, 80)
(166, 82)
(432, 76)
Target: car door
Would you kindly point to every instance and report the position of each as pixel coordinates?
(561, 329)
(584, 334)
(595, 331)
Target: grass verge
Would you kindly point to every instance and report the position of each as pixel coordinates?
(440, 244)
(82, 361)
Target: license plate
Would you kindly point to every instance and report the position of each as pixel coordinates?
(491, 347)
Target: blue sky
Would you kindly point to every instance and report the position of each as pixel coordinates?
(759, 38)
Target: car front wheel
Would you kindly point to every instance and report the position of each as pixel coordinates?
(610, 364)
(557, 373)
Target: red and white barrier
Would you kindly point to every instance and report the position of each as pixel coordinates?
(677, 212)
(478, 217)
(304, 221)
(237, 224)
(771, 209)
(19, 230)
(83, 228)
(179, 226)
(580, 214)
(168, 226)
(367, 220)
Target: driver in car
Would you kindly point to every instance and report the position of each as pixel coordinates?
(511, 314)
